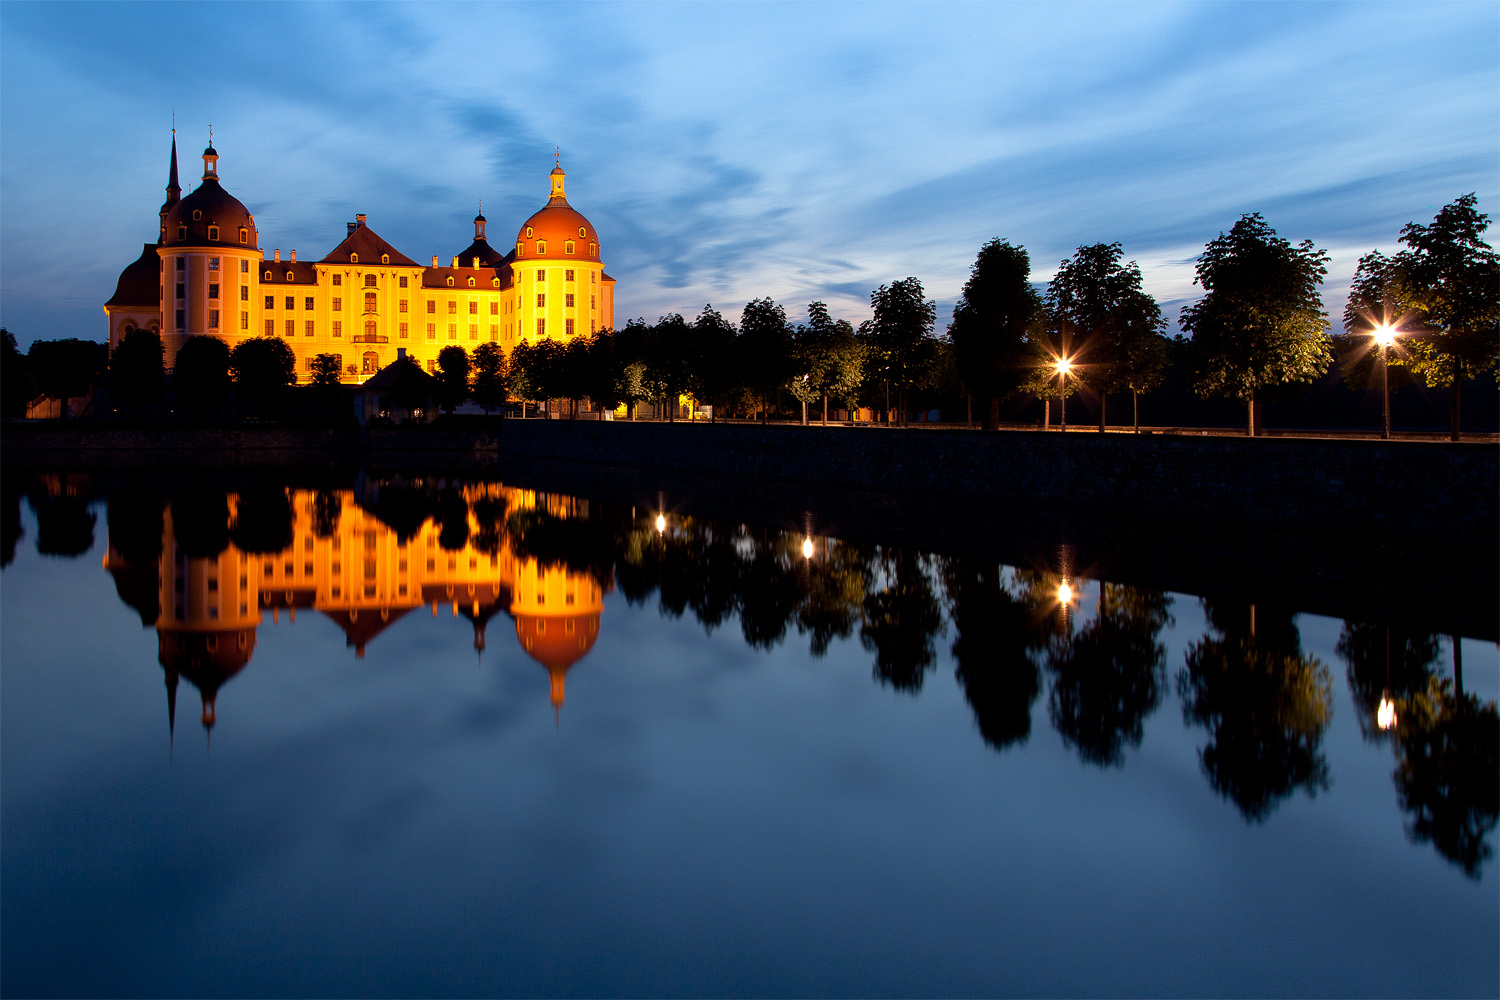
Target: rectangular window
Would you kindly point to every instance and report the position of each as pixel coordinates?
(213, 289)
(431, 331)
(338, 304)
(403, 281)
(541, 275)
(431, 368)
(473, 308)
(568, 274)
(452, 331)
(244, 293)
(270, 302)
(403, 331)
(338, 328)
(494, 331)
(181, 263)
(291, 328)
(244, 321)
(591, 302)
(213, 319)
(541, 298)
(213, 263)
(568, 300)
(568, 327)
(592, 276)
(291, 301)
(452, 307)
(401, 306)
(181, 290)
(338, 279)
(541, 328)
(307, 328)
(307, 303)
(244, 265)
(494, 308)
(270, 328)
(431, 306)
(473, 331)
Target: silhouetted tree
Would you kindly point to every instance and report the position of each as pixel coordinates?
(64, 523)
(998, 312)
(11, 529)
(137, 371)
(900, 332)
(1260, 323)
(17, 385)
(837, 577)
(200, 523)
(328, 508)
(453, 519)
(452, 377)
(997, 636)
(489, 381)
(66, 369)
(1384, 660)
(1265, 705)
(763, 350)
(136, 519)
(200, 375)
(900, 621)
(264, 522)
(262, 368)
(714, 372)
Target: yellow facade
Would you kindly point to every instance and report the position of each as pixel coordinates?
(365, 300)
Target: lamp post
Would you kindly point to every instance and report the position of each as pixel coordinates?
(1385, 336)
(1063, 364)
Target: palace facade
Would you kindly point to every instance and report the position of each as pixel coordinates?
(206, 275)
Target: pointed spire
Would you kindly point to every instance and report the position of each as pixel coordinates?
(171, 705)
(174, 190)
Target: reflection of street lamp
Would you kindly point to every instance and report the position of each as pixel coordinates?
(661, 524)
(1064, 593)
(1385, 336)
(1385, 715)
(807, 548)
(1062, 365)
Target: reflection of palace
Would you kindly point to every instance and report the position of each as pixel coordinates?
(206, 274)
(364, 577)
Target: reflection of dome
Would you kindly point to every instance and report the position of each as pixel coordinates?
(207, 659)
(210, 205)
(548, 233)
(557, 642)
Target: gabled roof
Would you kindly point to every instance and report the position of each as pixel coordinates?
(370, 248)
(387, 377)
(288, 272)
(140, 283)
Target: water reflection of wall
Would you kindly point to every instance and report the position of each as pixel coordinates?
(343, 561)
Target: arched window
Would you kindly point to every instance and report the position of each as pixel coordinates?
(371, 363)
(244, 236)
(354, 258)
(370, 328)
(593, 249)
(541, 246)
(450, 281)
(385, 258)
(213, 232)
(495, 282)
(471, 282)
(369, 302)
(369, 281)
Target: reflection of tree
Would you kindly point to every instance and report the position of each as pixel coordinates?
(264, 522)
(402, 507)
(1265, 705)
(10, 520)
(577, 544)
(453, 518)
(64, 523)
(771, 589)
(997, 634)
(836, 583)
(135, 534)
(328, 508)
(1109, 676)
(200, 523)
(1384, 658)
(489, 519)
(901, 620)
(1448, 771)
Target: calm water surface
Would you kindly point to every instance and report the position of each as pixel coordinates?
(431, 738)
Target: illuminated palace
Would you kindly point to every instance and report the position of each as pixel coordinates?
(207, 275)
(365, 576)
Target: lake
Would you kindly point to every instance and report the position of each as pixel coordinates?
(422, 735)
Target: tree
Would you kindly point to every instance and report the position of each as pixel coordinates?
(832, 357)
(1101, 300)
(20, 385)
(714, 370)
(1260, 323)
(326, 376)
(263, 367)
(453, 377)
(996, 637)
(66, 369)
(900, 331)
(489, 383)
(1452, 278)
(997, 314)
(1374, 299)
(137, 370)
(764, 349)
(200, 374)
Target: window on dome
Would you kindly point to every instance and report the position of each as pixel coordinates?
(593, 249)
(182, 232)
(582, 233)
(568, 248)
(354, 258)
(244, 238)
(529, 232)
(197, 215)
(450, 281)
(213, 232)
(541, 246)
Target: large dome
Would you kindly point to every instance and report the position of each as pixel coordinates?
(210, 206)
(551, 232)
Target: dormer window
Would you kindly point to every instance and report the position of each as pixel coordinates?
(495, 282)
(197, 215)
(593, 249)
(385, 258)
(541, 246)
(529, 232)
(289, 276)
(354, 258)
(471, 282)
(568, 247)
(450, 281)
(182, 232)
(244, 236)
(213, 232)
(268, 275)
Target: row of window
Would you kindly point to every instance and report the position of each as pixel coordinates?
(568, 247)
(213, 231)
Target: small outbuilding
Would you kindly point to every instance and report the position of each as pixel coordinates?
(399, 392)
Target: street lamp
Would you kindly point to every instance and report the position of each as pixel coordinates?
(1385, 336)
(1062, 364)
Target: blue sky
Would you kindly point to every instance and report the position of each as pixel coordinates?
(730, 151)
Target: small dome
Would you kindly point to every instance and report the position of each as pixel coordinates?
(210, 205)
(210, 151)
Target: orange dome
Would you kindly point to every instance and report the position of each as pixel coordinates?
(557, 642)
(558, 231)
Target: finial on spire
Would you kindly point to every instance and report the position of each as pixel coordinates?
(557, 156)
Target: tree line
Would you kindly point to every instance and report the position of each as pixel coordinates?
(1258, 330)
